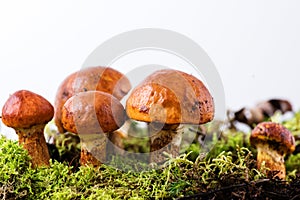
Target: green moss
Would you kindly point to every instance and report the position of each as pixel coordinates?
(293, 161)
(179, 176)
(228, 142)
(14, 163)
(230, 162)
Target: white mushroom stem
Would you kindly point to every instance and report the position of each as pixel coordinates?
(167, 140)
(93, 149)
(272, 159)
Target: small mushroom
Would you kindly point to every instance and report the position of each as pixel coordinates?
(93, 115)
(273, 141)
(28, 113)
(98, 78)
(167, 100)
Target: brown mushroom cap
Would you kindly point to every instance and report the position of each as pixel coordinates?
(24, 109)
(92, 112)
(99, 78)
(277, 136)
(172, 97)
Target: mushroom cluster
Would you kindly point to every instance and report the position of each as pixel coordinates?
(97, 78)
(88, 104)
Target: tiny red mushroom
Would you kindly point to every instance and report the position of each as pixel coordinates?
(93, 115)
(273, 141)
(28, 113)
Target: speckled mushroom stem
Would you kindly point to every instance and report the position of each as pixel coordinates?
(167, 140)
(32, 139)
(273, 160)
(93, 149)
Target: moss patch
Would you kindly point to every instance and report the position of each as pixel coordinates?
(228, 171)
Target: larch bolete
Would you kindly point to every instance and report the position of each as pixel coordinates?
(167, 100)
(273, 142)
(28, 113)
(93, 115)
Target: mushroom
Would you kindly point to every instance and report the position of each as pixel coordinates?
(166, 100)
(28, 113)
(93, 115)
(98, 78)
(273, 141)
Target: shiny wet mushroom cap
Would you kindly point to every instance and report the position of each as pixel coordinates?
(98, 78)
(93, 115)
(182, 97)
(28, 113)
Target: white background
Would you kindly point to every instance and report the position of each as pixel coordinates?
(255, 45)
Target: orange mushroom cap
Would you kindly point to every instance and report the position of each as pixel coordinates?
(24, 109)
(172, 97)
(92, 112)
(99, 78)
